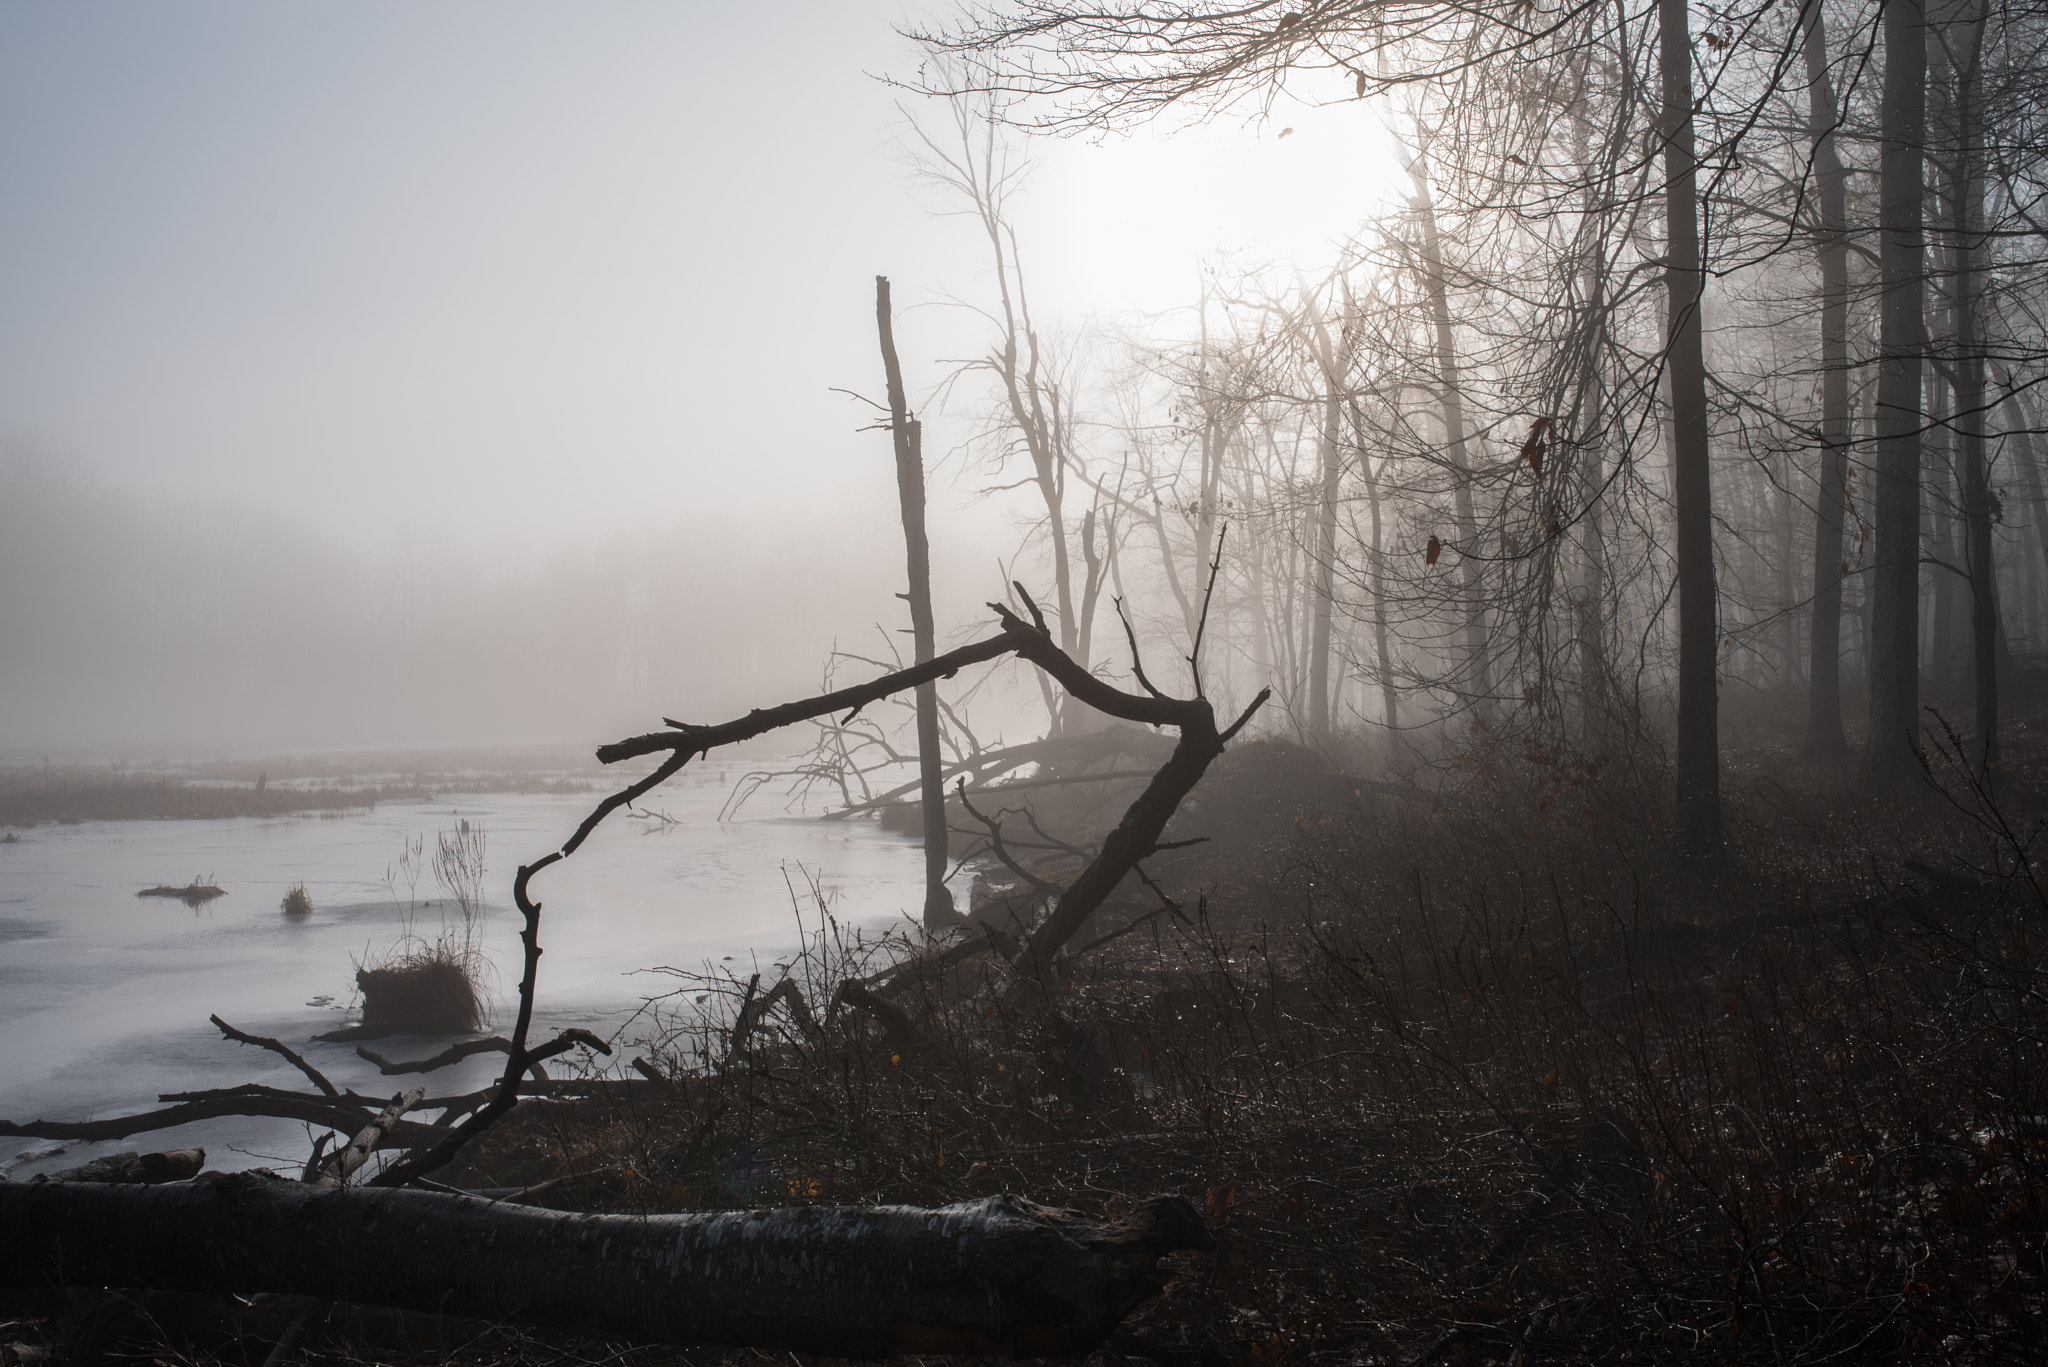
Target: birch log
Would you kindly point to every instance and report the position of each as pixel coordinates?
(999, 1276)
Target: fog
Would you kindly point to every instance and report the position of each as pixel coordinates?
(140, 626)
(423, 375)
(1474, 750)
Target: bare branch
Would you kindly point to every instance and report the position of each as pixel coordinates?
(281, 1050)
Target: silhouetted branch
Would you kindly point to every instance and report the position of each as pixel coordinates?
(281, 1050)
(754, 1010)
(1202, 623)
(692, 740)
(496, 1044)
(1137, 662)
(516, 1058)
(1001, 851)
(283, 1106)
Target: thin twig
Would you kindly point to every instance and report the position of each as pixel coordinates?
(1202, 623)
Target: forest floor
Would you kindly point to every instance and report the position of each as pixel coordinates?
(1463, 1066)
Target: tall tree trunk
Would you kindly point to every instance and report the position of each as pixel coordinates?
(909, 438)
(1788, 587)
(1450, 393)
(1699, 751)
(1942, 650)
(2019, 424)
(1965, 41)
(1589, 595)
(1824, 739)
(1590, 611)
(1331, 459)
(1389, 697)
(1895, 520)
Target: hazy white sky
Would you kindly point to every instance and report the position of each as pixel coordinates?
(509, 270)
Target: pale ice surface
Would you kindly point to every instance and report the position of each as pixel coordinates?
(104, 996)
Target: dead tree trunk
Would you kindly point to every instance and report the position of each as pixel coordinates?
(909, 435)
(999, 1276)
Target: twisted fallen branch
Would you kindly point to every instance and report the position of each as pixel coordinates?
(1000, 1276)
(1135, 838)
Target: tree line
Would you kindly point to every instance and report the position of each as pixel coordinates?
(1697, 357)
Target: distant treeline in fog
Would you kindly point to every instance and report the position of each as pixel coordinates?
(128, 623)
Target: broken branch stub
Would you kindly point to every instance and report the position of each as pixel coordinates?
(999, 1276)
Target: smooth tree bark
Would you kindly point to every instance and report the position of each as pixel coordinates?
(909, 441)
(1824, 738)
(1699, 750)
(999, 1276)
(1895, 521)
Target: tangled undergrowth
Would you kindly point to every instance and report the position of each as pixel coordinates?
(1483, 1075)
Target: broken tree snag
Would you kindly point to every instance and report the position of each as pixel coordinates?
(908, 434)
(755, 1009)
(999, 1276)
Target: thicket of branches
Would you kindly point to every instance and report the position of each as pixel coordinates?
(1455, 481)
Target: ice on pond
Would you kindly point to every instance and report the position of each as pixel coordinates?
(104, 997)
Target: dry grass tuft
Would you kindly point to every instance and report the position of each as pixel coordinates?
(430, 989)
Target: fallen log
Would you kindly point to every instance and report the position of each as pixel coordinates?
(999, 1276)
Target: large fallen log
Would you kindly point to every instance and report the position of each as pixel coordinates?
(999, 1276)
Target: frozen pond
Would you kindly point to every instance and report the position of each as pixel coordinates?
(104, 996)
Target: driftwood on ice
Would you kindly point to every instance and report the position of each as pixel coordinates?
(999, 1276)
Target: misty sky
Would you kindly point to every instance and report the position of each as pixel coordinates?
(518, 265)
(507, 275)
